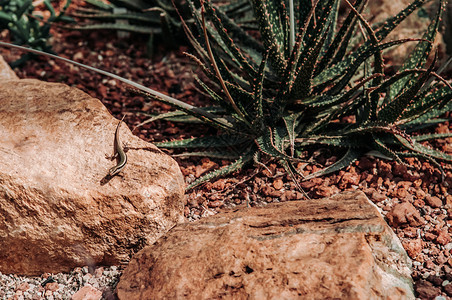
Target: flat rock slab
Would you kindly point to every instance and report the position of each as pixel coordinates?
(333, 248)
(58, 210)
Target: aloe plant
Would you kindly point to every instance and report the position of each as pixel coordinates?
(288, 90)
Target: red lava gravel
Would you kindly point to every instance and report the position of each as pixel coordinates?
(416, 204)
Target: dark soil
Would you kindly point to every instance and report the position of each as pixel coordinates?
(428, 241)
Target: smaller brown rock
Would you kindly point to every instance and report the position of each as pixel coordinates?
(433, 201)
(449, 201)
(324, 191)
(429, 236)
(217, 203)
(261, 258)
(403, 214)
(384, 167)
(426, 290)
(52, 286)
(413, 247)
(99, 272)
(399, 170)
(418, 203)
(307, 185)
(377, 196)
(349, 179)
(365, 163)
(443, 237)
(401, 193)
(24, 286)
(448, 289)
(87, 293)
(278, 184)
(271, 192)
(219, 184)
(417, 182)
(410, 232)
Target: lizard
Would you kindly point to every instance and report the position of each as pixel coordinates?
(119, 153)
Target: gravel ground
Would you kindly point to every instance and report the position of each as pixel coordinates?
(414, 201)
(60, 286)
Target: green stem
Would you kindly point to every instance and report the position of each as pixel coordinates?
(129, 82)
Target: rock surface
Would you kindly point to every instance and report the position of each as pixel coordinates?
(5, 71)
(333, 248)
(58, 210)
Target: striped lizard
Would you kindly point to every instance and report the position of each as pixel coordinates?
(119, 153)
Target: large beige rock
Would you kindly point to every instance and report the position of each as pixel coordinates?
(414, 26)
(5, 71)
(58, 210)
(332, 248)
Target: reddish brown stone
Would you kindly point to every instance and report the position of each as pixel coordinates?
(384, 167)
(349, 179)
(24, 286)
(365, 163)
(377, 196)
(448, 289)
(399, 170)
(443, 237)
(448, 201)
(52, 286)
(433, 201)
(429, 236)
(401, 193)
(87, 293)
(313, 249)
(324, 191)
(404, 214)
(219, 184)
(214, 204)
(413, 247)
(278, 184)
(410, 232)
(426, 290)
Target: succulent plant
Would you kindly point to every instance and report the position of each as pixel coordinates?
(288, 88)
(283, 91)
